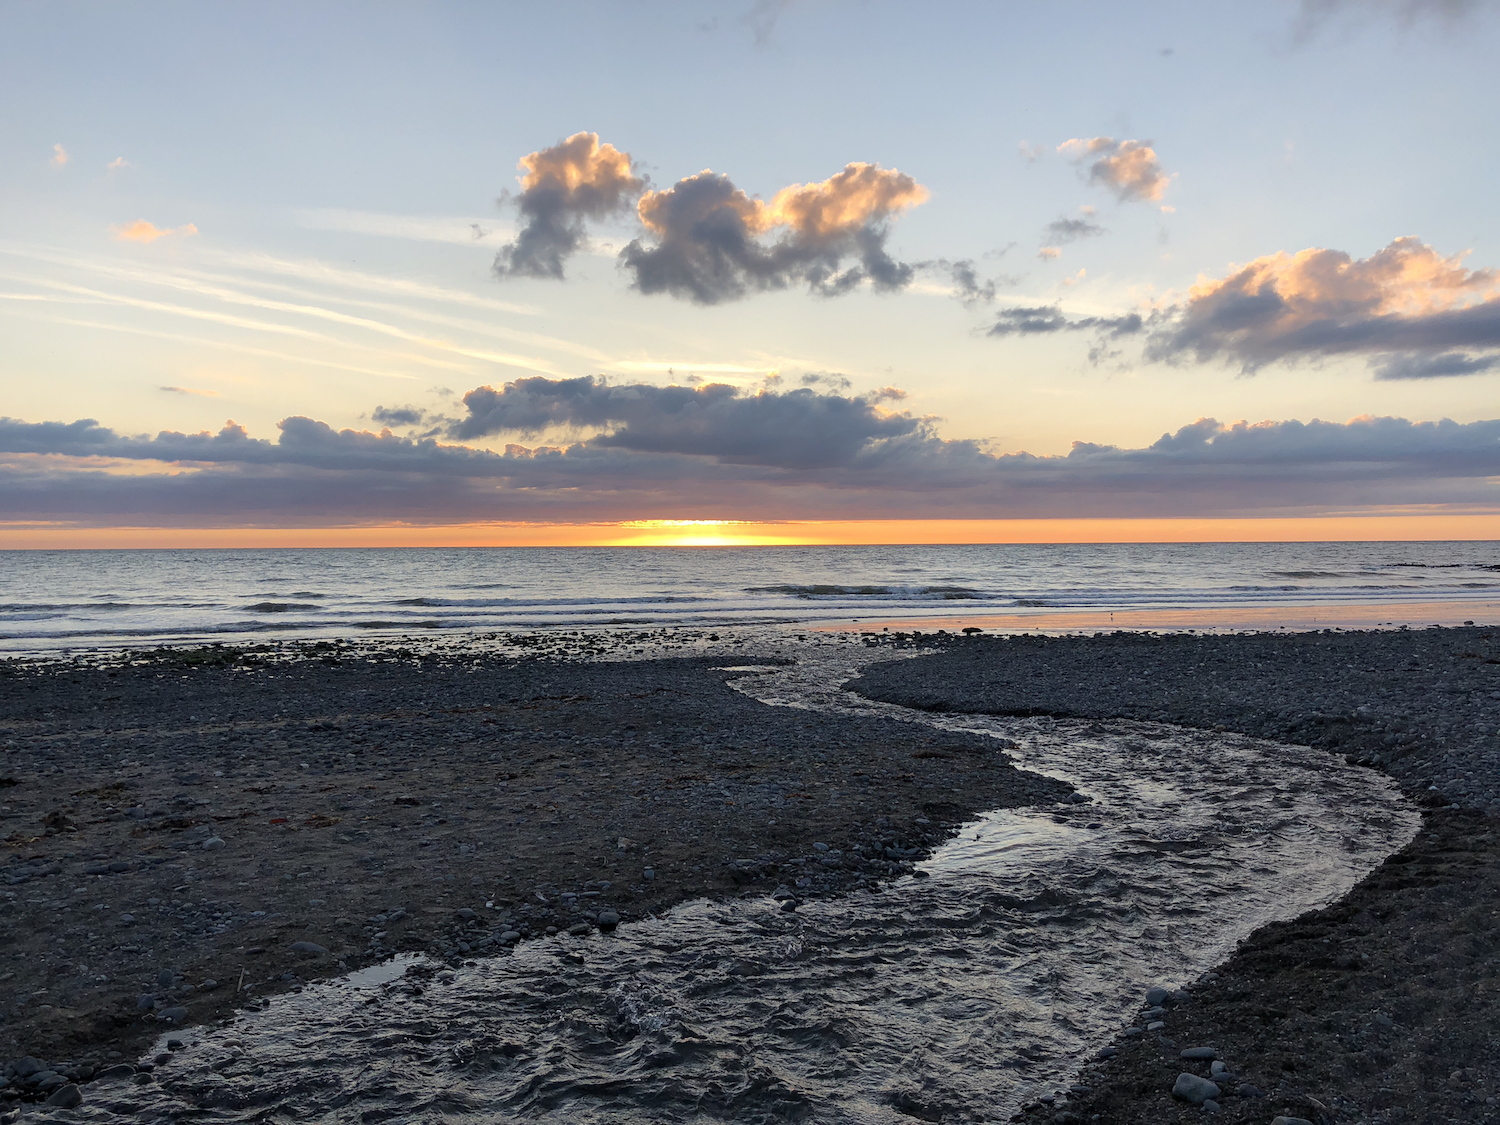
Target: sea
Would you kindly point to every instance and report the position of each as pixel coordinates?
(54, 600)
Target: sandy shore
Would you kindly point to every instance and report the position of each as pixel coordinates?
(1381, 1008)
(192, 831)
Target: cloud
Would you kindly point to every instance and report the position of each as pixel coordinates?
(761, 19)
(565, 185)
(60, 156)
(1048, 253)
(142, 231)
(191, 391)
(1030, 152)
(1416, 313)
(1314, 15)
(968, 286)
(666, 460)
(119, 163)
(792, 429)
(398, 415)
(1045, 320)
(1068, 230)
(1414, 365)
(706, 236)
(1130, 169)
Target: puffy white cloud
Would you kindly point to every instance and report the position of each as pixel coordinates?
(1415, 312)
(575, 180)
(1130, 169)
(706, 238)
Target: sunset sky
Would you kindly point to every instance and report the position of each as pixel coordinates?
(557, 273)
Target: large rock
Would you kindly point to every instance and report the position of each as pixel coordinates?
(1191, 1088)
(66, 1097)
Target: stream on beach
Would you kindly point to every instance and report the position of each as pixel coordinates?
(958, 994)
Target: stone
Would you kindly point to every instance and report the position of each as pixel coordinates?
(1384, 1021)
(580, 929)
(1107, 1052)
(66, 1097)
(1218, 1070)
(174, 1014)
(1284, 1120)
(1249, 1090)
(1156, 997)
(1200, 1054)
(648, 874)
(213, 844)
(466, 914)
(509, 937)
(27, 1066)
(118, 1070)
(608, 920)
(145, 1002)
(1190, 1088)
(308, 948)
(208, 985)
(166, 978)
(1155, 1025)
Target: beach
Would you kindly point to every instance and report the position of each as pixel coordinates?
(190, 832)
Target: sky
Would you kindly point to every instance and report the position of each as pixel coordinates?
(749, 271)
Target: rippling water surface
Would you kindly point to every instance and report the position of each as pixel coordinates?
(53, 599)
(953, 996)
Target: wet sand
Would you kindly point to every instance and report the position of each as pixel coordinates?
(1199, 619)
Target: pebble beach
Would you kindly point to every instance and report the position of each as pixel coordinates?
(194, 832)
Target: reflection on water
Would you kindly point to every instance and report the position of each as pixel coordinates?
(954, 995)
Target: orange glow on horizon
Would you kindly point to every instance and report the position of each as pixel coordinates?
(741, 533)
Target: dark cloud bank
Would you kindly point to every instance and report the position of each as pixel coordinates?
(716, 452)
